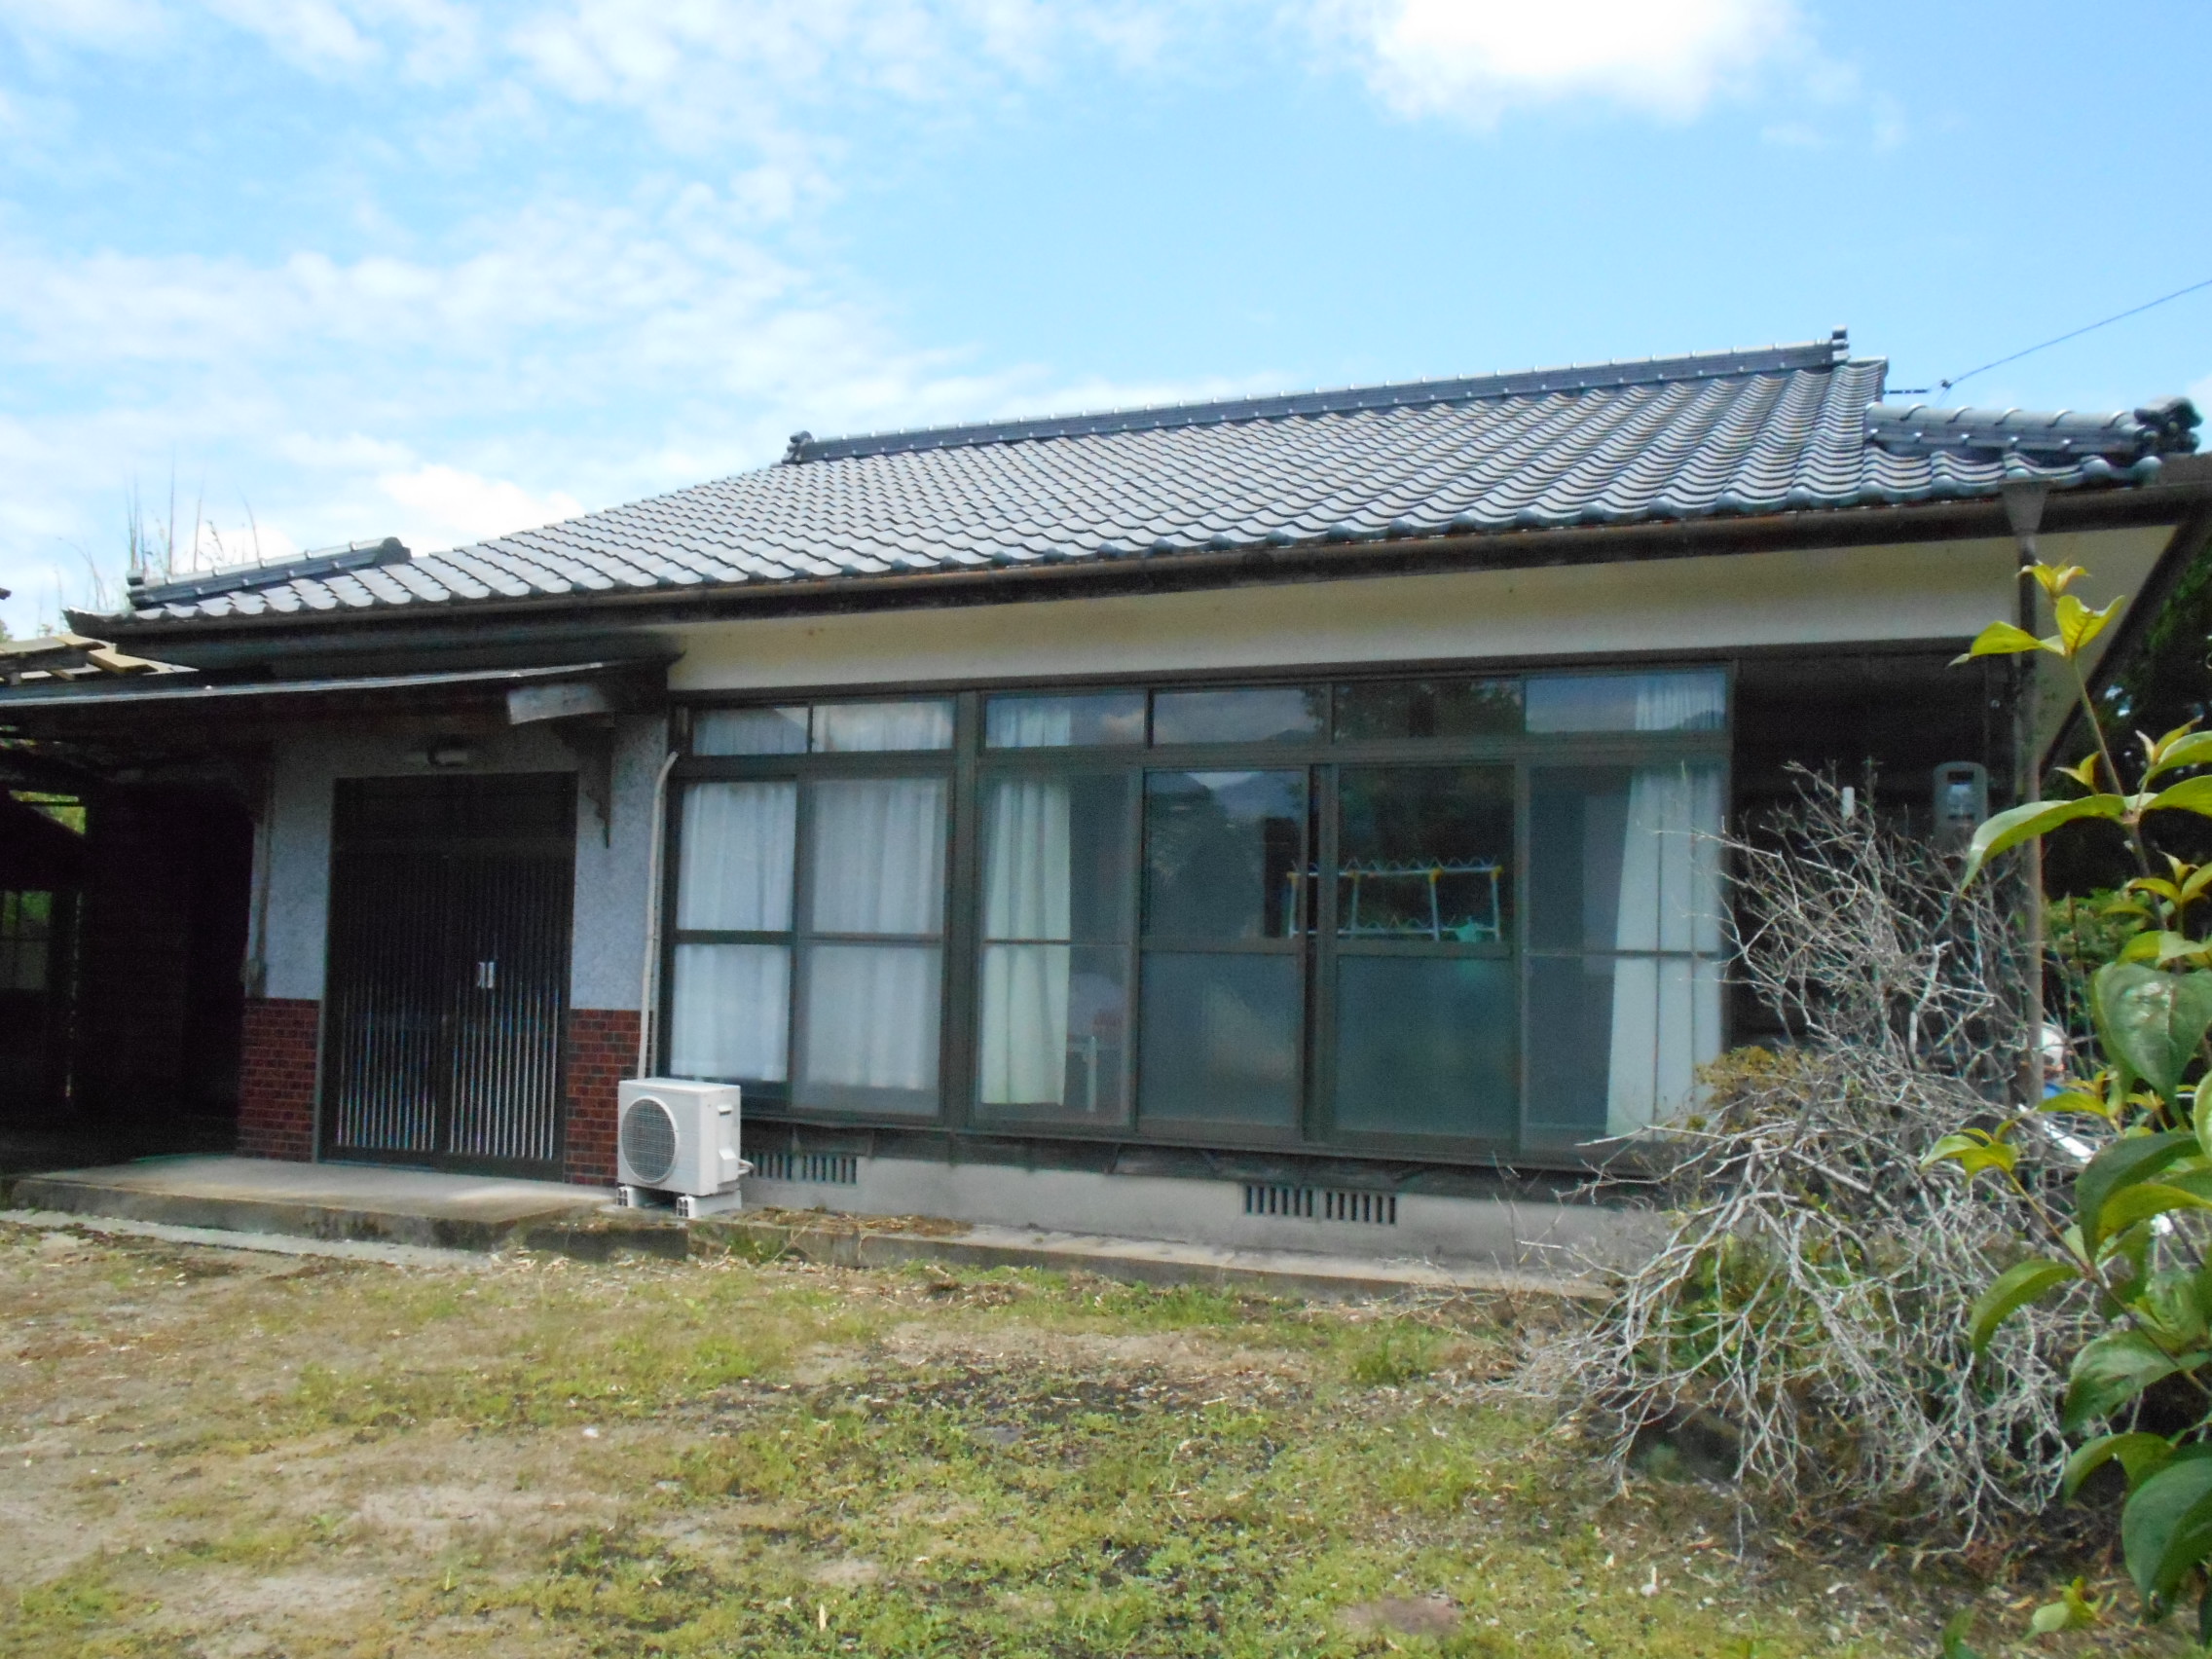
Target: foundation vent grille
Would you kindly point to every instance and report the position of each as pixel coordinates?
(1321, 1203)
(816, 1168)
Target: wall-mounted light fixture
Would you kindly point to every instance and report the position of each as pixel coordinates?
(443, 752)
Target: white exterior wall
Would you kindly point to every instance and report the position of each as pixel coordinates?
(292, 853)
(1721, 603)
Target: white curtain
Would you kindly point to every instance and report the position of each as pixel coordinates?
(749, 731)
(1026, 901)
(1671, 700)
(1681, 702)
(738, 840)
(878, 857)
(872, 1017)
(730, 1004)
(730, 1011)
(852, 728)
(878, 869)
(1665, 1008)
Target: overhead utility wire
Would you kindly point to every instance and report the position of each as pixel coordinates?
(2075, 334)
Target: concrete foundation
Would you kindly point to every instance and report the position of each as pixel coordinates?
(350, 1207)
(1490, 1233)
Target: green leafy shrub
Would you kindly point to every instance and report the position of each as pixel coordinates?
(2126, 1231)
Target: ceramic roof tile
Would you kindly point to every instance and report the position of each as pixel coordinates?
(1787, 429)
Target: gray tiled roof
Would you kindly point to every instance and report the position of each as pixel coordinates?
(1783, 429)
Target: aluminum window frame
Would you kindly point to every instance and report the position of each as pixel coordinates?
(969, 765)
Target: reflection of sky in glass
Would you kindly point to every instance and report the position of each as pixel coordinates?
(1261, 715)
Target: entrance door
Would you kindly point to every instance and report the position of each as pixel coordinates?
(449, 970)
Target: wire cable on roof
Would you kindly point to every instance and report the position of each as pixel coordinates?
(2075, 334)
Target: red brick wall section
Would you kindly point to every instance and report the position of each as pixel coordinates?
(276, 1083)
(602, 1050)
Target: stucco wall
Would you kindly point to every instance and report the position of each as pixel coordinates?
(1927, 591)
(292, 855)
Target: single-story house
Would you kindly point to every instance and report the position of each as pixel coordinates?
(1263, 821)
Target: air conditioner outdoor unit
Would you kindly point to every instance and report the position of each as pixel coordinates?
(678, 1139)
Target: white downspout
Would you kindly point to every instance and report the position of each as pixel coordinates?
(649, 988)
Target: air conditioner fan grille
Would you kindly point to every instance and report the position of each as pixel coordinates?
(648, 1140)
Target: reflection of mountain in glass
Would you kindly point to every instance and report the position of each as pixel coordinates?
(1427, 707)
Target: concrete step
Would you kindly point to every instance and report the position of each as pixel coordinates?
(356, 1201)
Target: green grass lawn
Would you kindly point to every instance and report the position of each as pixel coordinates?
(223, 1453)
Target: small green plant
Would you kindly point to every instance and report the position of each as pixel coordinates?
(2125, 1235)
(1391, 1356)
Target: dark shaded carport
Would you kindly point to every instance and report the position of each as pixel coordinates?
(174, 774)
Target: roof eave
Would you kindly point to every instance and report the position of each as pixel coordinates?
(2161, 502)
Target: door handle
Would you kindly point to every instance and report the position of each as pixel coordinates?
(488, 975)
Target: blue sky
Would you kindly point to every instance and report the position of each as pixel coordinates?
(349, 267)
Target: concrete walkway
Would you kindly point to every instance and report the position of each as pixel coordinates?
(264, 1243)
(369, 1209)
(369, 1203)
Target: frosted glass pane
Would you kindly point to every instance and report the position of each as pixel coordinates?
(1220, 1039)
(1425, 1046)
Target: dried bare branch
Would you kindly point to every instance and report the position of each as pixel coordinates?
(1808, 1305)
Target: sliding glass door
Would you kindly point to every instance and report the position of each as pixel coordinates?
(1227, 885)
(1416, 954)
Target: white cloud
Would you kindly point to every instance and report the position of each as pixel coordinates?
(699, 71)
(312, 33)
(1891, 128)
(557, 358)
(108, 24)
(243, 541)
(1478, 59)
(476, 378)
(447, 506)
